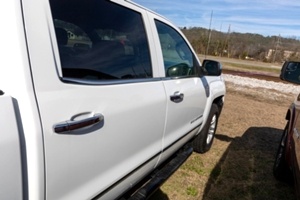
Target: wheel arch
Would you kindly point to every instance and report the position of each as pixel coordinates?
(290, 115)
(219, 101)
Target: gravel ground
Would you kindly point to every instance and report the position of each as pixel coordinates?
(240, 82)
(262, 89)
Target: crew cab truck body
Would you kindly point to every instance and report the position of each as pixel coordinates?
(95, 96)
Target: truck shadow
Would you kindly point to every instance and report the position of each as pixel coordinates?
(159, 195)
(245, 169)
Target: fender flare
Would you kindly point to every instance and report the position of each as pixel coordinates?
(215, 92)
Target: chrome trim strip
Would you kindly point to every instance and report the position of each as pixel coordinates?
(107, 82)
(119, 81)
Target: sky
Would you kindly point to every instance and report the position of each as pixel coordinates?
(264, 17)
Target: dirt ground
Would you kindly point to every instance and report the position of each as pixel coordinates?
(239, 165)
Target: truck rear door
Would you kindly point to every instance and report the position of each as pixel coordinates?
(101, 108)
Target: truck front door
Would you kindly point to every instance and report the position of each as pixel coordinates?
(186, 92)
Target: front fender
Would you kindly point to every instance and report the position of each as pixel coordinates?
(215, 92)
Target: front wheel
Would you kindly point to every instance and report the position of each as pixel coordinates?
(203, 141)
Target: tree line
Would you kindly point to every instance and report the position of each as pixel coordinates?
(243, 45)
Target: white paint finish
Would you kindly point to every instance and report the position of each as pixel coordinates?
(81, 166)
(16, 81)
(11, 186)
(184, 116)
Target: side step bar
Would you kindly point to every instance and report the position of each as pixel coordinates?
(162, 174)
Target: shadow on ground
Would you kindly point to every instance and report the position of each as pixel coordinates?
(245, 169)
(159, 195)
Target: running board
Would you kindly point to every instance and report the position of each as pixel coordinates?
(158, 178)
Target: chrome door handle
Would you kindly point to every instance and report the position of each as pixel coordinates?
(177, 97)
(71, 125)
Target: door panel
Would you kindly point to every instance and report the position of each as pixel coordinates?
(184, 116)
(96, 64)
(78, 162)
(186, 97)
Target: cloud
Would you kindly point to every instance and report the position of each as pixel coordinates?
(269, 17)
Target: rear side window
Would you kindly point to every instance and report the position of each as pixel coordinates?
(179, 61)
(100, 40)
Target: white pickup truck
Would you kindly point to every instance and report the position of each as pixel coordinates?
(96, 96)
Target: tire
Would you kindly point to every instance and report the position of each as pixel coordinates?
(203, 141)
(281, 170)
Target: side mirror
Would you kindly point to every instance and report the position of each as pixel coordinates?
(181, 69)
(291, 72)
(213, 68)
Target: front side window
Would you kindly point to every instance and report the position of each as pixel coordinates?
(100, 40)
(178, 58)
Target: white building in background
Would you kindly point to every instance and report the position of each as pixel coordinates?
(286, 54)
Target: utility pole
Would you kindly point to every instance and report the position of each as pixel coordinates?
(217, 48)
(276, 48)
(227, 42)
(209, 35)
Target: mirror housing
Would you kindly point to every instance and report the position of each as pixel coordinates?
(290, 72)
(212, 67)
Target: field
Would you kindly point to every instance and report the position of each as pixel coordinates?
(239, 165)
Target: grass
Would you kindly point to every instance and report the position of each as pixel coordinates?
(192, 191)
(252, 67)
(245, 64)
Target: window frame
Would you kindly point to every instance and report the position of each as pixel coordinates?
(148, 39)
(195, 59)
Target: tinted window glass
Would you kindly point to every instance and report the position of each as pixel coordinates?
(100, 40)
(178, 58)
(292, 72)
